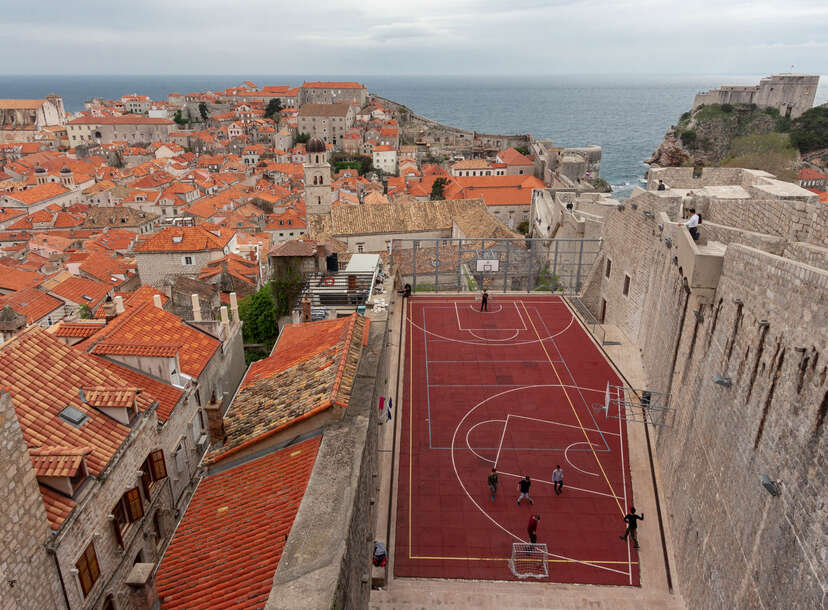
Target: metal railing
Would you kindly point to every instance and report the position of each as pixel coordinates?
(558, 266)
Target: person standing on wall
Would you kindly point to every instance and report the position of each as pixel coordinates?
(693, 223)
(484, 301)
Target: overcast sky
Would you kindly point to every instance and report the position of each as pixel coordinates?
(413, 37)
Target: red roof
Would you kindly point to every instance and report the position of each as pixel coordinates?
(332, 85)
(81, 291)
(510, 156)
(186, 239)
(12, 279)
(229, 543)
(32, 303)
(811, 174)
(127, 119)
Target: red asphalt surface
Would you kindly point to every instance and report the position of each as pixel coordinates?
(481, 388)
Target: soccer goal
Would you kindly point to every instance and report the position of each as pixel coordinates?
(529, 560)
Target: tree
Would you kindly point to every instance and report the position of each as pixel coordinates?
(202, 110)
(366, 165)
(301, 138)
(809, 131)
(437, 189)
(179, 118)
(274, 107)
(84, 312)
(258, 312)
(523, 227)
(524, 150)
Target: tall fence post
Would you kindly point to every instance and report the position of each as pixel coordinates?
(414, 245)
(506, 267)
(578, 269)
(436, 265)
(460, 265)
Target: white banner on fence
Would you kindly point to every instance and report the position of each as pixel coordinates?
(487, 265)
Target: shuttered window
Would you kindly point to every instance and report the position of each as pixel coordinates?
(129, 509)
(88, 569)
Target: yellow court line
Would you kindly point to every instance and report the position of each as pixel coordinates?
(574, 411)
(509, 558)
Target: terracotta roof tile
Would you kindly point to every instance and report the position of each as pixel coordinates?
(57, 506)
(311, 369)
(82, 291)
(229, 543)
(186, 239)
(16, 279)
(166, 395)
(57, 461)
(78, 329)
(32, 303)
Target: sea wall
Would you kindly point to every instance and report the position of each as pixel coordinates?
(764, 334)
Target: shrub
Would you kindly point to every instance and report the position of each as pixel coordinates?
(523, 227)
(688, 138)
(684, 117)
(810, 130)
(727, 107)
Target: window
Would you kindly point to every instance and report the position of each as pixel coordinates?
(154, 469)
(608, 269)
(88, 569)
(626, 285)
(129, 509)
(188, 260)
(157, 529)
(360, 247)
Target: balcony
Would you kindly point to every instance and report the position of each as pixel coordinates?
(700, 263)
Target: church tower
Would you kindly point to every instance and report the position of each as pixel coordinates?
(318, 194)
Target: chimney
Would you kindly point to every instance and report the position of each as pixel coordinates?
(225, 319)
(143, 593)
(306, 310)
(234, 306)
(156, 300)
(119, 305)
(196, 307)
(109, 309)
(215, 422)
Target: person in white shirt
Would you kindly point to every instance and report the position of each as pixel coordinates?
(557, 479)
(693, 223)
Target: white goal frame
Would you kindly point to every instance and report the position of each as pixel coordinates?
(529, 560)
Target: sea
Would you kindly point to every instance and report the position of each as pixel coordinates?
(627, 115)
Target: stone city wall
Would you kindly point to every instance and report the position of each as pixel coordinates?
(791, 220)
(728, 531)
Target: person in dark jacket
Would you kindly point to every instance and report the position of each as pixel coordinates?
(631, 519)
(533, 528)
(524, 485)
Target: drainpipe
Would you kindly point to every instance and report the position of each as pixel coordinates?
(678, 338)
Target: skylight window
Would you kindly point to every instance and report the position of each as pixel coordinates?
(74, 416)
(87, 298)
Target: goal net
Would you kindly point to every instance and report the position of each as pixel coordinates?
(529, 560)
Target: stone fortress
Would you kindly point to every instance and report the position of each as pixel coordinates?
(733, 328)
(790, 94)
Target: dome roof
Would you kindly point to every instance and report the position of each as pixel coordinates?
(40, 170)
(65, 170)
(315, 145)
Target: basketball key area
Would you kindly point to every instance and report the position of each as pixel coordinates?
(515, 388)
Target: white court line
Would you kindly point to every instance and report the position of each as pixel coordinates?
(471, 332)
(568, 486)
(624, 484)
(486, 514)
(566, 457)
(473, 307)
(460, 325)
(557, 423)
(502, 436)
(539, 340)
(484, 361)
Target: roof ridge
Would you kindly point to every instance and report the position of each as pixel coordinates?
(346, 347)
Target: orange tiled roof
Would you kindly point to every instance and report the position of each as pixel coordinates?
(186, 239)
(229, 543)
(82, 291)
(104, 396)
(311, 369)
(50, 461)
(78, 329)
(57, 506)
(332, 85)
(44, 375)
(16, 279)
(32, 303)
(166, 395)
(38, 193)
(149, 331)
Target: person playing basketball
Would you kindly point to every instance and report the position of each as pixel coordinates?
(484, 301)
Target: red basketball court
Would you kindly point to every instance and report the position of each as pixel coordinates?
(514, 388)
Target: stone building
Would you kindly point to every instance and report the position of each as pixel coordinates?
(326, 122)
(790, 94)
(130, 128)
(21, 120)
(181, 251)
(732, 327)
(332, 93)
(318, 192)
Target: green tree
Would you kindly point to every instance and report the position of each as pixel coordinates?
(524, 150)
(523, 227)
(366, 165)
(179, 118)
(809, 131)
(84, 312)
(437, 189)
(300, 138)
(258, 312)
(274, 107)
(202, 110)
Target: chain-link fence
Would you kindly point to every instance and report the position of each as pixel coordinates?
(509, 265)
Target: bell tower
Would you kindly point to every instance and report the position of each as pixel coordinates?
(318, 193)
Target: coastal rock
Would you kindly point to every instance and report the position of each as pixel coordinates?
(670, 153)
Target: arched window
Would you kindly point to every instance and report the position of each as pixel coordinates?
(317, 158)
